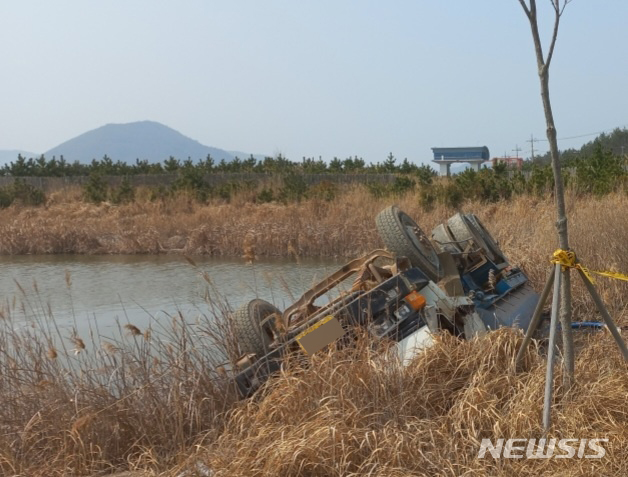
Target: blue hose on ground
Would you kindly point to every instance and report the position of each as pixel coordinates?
(587, 325)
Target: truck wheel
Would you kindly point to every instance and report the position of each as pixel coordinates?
(491, 243)
(465, 228)
(403, 237)
(443, 239)
(246, 326)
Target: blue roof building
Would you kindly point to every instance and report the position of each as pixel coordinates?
(446, 156)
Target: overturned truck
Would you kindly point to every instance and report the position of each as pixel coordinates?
(459, 281)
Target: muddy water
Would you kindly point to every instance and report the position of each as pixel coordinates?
(105, 291)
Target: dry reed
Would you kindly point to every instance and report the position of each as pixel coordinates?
(135, 400)
(313, 228)
(352, 413)
(156, 404)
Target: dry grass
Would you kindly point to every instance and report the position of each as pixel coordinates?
(138, 402)
(343, 227)
(353, 414)
(75, 405)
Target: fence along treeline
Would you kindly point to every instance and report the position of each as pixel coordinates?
(280, 180)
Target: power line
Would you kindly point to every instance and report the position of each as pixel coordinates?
(576, 137)
(584, 135)
(532, 139)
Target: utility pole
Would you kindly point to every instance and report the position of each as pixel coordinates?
(517, 149)
(532, 141)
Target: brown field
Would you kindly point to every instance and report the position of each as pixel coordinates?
(138, 403)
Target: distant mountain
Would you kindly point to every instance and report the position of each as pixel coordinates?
(140, 140)
(7, 156)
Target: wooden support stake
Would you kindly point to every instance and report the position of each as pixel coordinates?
(536, 318)
(549, 376)
(607, 318)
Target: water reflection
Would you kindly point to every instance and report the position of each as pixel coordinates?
(80, 290)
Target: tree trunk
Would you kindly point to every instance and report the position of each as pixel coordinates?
(563, 236)
(543, 65)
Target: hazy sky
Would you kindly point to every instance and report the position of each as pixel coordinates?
(309, 77)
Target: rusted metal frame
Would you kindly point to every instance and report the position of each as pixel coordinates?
(332, 281)
(293, 331)
(373, 269)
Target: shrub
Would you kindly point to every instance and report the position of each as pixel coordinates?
(427, 198)
(294, 188)
(158, 193)
(124, 193)
(453, 195)
(6, 199)
(265, 196)
(325, 190)
(601, 172)
(95, 190)
(227, 189)
(425, 174)
(541, 180)
(22, 192)
(191, 180)
(25, 193)
(377, 190)
(519, 183)
(400, 186)
(487, 185)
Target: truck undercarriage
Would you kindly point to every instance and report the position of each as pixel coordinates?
(458, 282)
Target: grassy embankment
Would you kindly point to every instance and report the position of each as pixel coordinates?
(142, 403)
(341, 227)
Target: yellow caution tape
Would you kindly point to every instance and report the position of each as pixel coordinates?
(609, 274)
(567, 258)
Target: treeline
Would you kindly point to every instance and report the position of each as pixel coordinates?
(598, 173)
(616, 143)
(42, 167)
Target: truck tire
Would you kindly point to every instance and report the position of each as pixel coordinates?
(491, 243)
(403, 237)
(442, 238)
(246, 326)
(465, 228)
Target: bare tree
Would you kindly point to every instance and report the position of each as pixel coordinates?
(543, 64)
